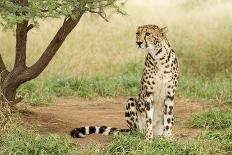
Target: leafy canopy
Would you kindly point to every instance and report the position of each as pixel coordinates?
(13, 12)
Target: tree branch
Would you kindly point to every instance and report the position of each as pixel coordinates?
(33, 71)
(21, 39)
(65, 20)
(29, 27)
(21, 42)
(100, 13)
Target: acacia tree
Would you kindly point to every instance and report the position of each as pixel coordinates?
(22, 16)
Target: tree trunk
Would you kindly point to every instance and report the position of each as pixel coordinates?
(9, 93)
(10, 81)
(9, 85)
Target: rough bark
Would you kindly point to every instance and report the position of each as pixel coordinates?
(21, 42)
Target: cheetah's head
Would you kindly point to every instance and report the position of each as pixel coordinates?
(150, 36)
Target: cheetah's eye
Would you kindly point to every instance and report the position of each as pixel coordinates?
(147, 34)
(137, 33)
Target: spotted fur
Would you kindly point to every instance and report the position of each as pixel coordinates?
(152, 110)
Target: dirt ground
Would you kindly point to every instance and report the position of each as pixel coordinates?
(68, 113)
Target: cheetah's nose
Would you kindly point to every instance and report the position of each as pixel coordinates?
(139, 43)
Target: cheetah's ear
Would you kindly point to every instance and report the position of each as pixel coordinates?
(164, 30)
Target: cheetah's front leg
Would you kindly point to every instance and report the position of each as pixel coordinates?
(131, 114)
(149, 118)
(168, 117)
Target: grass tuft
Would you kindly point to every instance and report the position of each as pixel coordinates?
(8, 116)
(221, 137)
(135, 145)
(19, 141)
(213, 119)
(205, 89)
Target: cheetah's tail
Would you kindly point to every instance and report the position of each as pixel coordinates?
(87, 130)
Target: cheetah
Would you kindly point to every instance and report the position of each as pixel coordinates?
(152, 110)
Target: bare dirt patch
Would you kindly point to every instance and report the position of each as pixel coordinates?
(69, 113)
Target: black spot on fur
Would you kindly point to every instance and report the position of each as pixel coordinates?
(132, 104)
(145, 86)
(150, 63)
(169, 55)
(170, 98)
(124, 130)
(127, 114)
(102, 129)
(132, 113)
(149, 120)
(167, 127)
(168, 120)
(128, 122)
(175, 61)
(166, 72)
(128, 106)
(150, 56)
(162, 58)
(92, 129)
(82, 130)
(165, 109)
(160, 50)
(147, 105)
(132, 119)
(148, 93)
(170, 107)
(170, 110)
(74, 133)
(172, 119)
(135, 126)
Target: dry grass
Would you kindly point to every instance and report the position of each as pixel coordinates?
(200, 32)
(7, 116)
